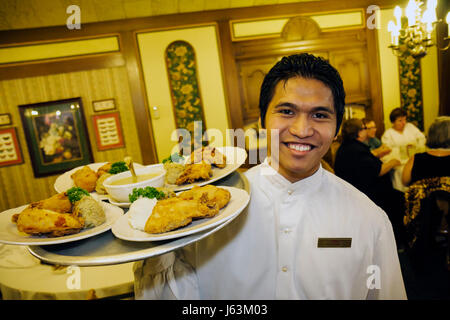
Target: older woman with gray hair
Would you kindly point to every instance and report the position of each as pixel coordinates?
(435, 162)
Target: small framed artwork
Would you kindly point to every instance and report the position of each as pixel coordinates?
(108, 131)
(56, 136)
(5, 119)
(104, 105)
(10, 152)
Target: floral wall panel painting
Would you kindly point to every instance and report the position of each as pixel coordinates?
(184, 87)
(56, 136)
(411, 87)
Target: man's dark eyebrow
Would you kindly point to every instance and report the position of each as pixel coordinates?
(286, 104)
(326, 109)
(315, 109)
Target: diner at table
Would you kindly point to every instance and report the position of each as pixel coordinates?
(404, 139)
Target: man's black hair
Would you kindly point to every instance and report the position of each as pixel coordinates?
(306, 66)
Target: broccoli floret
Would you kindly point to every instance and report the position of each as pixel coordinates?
(148, 192)
(76, 193)
(176, 157)
(118, 167)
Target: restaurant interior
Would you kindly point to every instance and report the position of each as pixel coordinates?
(116, 66)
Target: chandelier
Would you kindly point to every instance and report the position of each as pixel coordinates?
(416, 36)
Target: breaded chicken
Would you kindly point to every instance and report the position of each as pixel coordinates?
(48, 222)
(214, 195)
(104, 169)
(173, 213)
(209, 155)
(85, 178)
(59, 203)
(170, 214)
(194, 172)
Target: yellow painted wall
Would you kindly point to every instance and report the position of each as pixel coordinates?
(390, 76)
(17, 183)
(152, 46)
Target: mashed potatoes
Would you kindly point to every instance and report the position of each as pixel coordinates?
(140, 211)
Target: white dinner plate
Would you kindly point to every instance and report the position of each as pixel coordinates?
(238, 201)
(10, 235)
(119, 204)
(64, 182)
(235, 158)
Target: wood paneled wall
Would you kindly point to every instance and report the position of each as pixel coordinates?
(17, 183)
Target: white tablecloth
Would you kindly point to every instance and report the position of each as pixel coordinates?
(22, 276)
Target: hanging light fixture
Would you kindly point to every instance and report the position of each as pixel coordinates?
(417, 35)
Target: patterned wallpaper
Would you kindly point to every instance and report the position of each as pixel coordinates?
(17, 183)
(184, 87)
(411, 87)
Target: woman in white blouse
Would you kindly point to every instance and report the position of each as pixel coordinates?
(403, 135)
(405, 139)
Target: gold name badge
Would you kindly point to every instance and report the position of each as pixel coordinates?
(334, 243)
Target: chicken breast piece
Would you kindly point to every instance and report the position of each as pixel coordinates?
(85, 178)
(214, 195)
(209, 155)
(173, 213)
(59, 203)
(194, 172)
(52, 223)
(104, 169)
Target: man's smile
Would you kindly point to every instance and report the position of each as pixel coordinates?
(300, 147)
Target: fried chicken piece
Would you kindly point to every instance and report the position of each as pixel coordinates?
(42, 221)
(214, 195)
(209, 155)
(59, 203)
(85, 178)
(194, 172)
(173, 213)
(104, 169)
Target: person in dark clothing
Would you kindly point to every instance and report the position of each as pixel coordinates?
(358, 166)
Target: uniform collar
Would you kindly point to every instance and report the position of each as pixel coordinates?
(278, 182)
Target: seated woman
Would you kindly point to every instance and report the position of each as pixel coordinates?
(403, 135)
(404, 139)
(435, 162)
(357, 165)
(378, 149)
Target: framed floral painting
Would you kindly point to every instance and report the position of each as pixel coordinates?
(56, 136)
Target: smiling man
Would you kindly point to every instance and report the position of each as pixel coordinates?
(306, 233)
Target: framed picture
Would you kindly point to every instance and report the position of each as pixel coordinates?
(104, 105)
(56, 136)
(108, 131)
(5, 119)
(10, 152)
